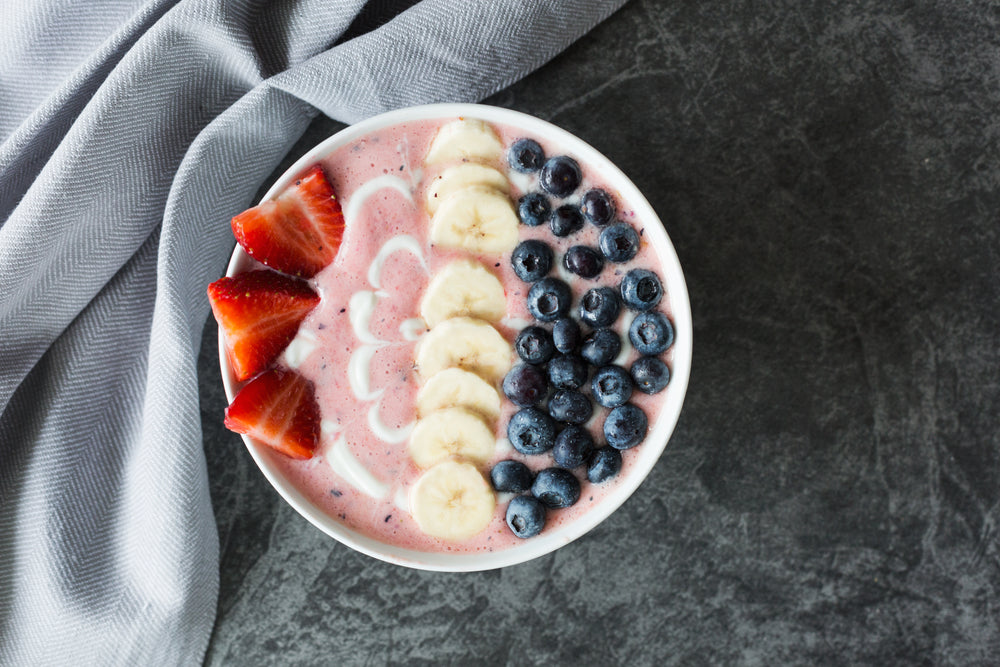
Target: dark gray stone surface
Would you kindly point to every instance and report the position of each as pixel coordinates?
(830, 176)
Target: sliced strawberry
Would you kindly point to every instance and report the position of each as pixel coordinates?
(297, 233)
(279, 409)
(260, 313)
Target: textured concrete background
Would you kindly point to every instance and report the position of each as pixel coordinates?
(830, 176)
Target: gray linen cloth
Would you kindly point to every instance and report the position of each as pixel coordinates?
(132, 131)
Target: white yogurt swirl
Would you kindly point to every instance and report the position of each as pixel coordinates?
(361, 195)
(361, 308)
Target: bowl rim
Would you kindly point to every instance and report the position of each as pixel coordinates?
(661, 428)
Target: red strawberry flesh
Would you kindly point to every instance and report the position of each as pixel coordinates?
(260, 313)
(279, 409)
(299, 232)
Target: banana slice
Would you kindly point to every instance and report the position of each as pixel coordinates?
(452, 432)
(452, 501)
(466, 343)
(478, 219)
(462, 176)
(464, 139)
(454, 387)
(463, 288)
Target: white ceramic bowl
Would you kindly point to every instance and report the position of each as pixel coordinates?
(660, 429)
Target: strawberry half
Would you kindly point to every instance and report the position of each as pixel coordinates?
(297, 233)
(279, 409)
(260, 313)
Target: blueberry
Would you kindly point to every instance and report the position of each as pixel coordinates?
(598, 206)
(525, 516)
(583, 261)
(531, 260)
(573, 446)
(625, 426)
(601, 347)
(534, 345)
(570, 407)
(599, 307)
(560, 176)
(525, 385)
(650, 374)
(611, 386)
(533, 209)
(619, 242)
(511, 477)
(566, 334)
(567, 371)
(525, 156)
(531, 431)
(651, 333)
(556, 488)
(565, 220)
(604, 464)
(641, 289)
(549, 299)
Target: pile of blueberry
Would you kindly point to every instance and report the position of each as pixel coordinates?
(567, 353)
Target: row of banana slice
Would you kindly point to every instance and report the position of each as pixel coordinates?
(462, 358)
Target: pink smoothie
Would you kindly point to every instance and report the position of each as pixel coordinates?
(381, 180)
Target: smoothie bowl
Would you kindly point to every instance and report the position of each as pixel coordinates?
(454, 337)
